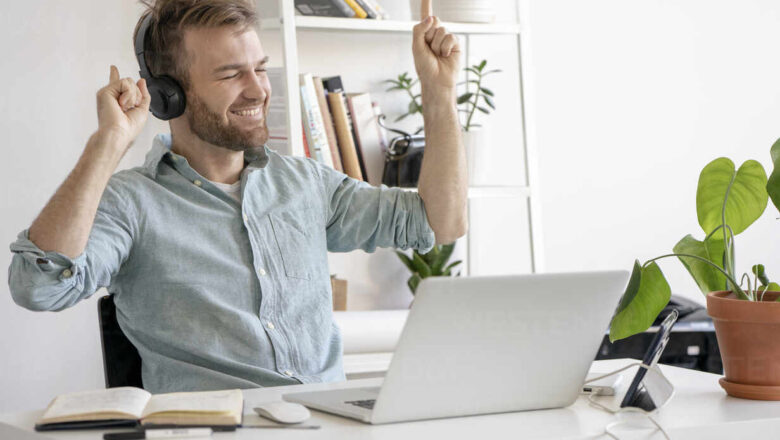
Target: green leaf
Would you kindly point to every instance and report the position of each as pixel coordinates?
(482, 65)
(773, 185)
(707, 277)
(473, 70)
(486, 91)
(464, 97)
(406, 260)
(443, 257)
(452, 265)
(773, 286)
(483, 110)
(412, 107)
(421, 266)
(413, 282)
(747, 197)
(401, 117)
(489, 101)
(431, 257)
(491, 71)
(646, 295)
(758, 271)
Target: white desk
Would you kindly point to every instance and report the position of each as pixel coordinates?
(699, 409)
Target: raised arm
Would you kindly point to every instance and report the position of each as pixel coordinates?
(65, 222)
(443, 180)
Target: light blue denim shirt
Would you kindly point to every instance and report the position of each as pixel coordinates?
(217, 293)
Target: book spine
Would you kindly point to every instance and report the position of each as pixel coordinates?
(307, 125)
(380, 11)
(319, 138)
(358, 145)
(327, 119)
(370, 11)
(359, 12)
(305, 142)
(346, 145)
(324, 8)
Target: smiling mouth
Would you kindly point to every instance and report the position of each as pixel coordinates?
(247, 113)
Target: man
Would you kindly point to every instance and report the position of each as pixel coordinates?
(216, 248)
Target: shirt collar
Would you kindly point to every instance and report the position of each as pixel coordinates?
(161, 146)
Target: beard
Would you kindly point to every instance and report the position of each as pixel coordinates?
(208, 127)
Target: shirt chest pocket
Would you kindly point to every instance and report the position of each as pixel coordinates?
(295, 239)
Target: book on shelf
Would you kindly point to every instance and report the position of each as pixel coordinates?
(367, 139)
(276, 119)
(359, 12)
(381, 12)
(130, 406)
(313, 122)
(370, 11)
(350, 155)
(324, 8)
(306, 151)
(327, 119)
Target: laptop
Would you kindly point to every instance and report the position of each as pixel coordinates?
(483, 345)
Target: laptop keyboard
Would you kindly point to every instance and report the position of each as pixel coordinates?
(367, 404)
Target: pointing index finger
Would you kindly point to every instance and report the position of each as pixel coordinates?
(426, 9)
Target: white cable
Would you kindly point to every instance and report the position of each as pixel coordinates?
(647, 414)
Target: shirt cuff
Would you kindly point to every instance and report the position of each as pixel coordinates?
(425, 237)
(52, 264)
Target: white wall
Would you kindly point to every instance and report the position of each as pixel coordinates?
(630, 101)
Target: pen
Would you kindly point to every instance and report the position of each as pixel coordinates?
(159, 433)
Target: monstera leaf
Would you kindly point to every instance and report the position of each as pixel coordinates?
(773, 185)
(707, 277)
(747, 195)
(646, 295)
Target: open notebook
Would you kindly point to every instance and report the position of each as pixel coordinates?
(128, 406)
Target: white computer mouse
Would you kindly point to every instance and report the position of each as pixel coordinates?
(283, 412)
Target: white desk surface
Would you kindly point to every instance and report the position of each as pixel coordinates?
(699, 409)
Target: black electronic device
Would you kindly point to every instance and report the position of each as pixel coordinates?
(168, 98)
(637, 394)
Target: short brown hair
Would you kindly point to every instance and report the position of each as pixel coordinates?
(163, 49)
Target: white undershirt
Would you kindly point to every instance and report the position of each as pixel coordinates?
(231, 189)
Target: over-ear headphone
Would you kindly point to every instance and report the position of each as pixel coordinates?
(168, 98)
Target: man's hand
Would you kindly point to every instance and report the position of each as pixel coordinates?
(436, 52)
(122, 107)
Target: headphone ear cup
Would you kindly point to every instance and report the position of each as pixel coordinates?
(168, 98)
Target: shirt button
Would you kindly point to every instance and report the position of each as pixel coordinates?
(197, 182)
(67, 273)
(261, 272)
(270, 325)
(288, 373)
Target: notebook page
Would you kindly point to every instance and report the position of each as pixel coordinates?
(124, 399)
(200, 401)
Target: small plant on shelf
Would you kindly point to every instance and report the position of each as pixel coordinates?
(431, 264)
(468, 102)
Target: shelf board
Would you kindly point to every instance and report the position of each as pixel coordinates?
(492, 192)
(354, 24)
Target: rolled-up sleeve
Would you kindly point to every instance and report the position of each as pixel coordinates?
(47, 280)
(361, 216)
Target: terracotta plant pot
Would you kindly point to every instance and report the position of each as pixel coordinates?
(749, 339)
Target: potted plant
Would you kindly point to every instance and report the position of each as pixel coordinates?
(435, 263)
(745, 310)
(476, 97)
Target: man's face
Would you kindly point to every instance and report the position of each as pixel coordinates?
(229, 92)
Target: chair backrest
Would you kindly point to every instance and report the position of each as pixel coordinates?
(121, 361)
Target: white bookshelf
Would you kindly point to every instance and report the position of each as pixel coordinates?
(289, 25)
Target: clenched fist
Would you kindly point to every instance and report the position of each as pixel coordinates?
(436, 51)
(122, 107)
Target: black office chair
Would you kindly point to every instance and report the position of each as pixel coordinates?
(121, 361)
